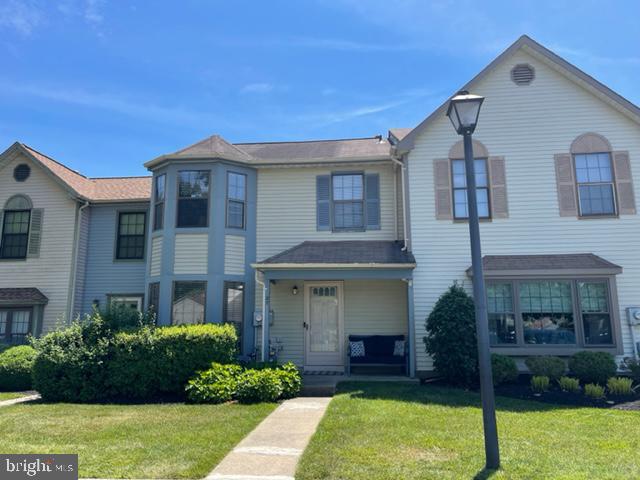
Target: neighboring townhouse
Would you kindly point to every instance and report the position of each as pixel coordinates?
(50, 231)
(301, 244)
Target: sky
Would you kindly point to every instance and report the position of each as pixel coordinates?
(105, 85)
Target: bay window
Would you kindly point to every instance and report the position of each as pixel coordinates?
(193, 199)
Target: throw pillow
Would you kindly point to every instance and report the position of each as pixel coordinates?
(398, 349)
(357, 349)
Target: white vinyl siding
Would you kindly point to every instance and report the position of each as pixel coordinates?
(191, 253)
(527, 125)
(51, 271)
(155, 262)
(234, 255)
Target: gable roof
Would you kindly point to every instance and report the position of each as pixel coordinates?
(120, 189)
(545, 55)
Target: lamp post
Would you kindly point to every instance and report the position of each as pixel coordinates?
(463, 112)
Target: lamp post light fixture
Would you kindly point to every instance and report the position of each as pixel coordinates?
(463, 111)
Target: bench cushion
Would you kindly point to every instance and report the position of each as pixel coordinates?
(378, 349)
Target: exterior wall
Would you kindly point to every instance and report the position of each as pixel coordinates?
(527, 125)
(105, 275)
(51, 271)
(234, 255)
(370, 307)
(198, 254)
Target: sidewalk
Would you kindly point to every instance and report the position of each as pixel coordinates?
(272, 450)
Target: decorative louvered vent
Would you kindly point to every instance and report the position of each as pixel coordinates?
(523, 74)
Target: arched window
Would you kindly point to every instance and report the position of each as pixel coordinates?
(15, 227)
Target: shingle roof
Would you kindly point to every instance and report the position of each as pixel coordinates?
(25, 296)
(93, 189)
(576, 262)
(214, 147)
(399, 133)
(344, 252)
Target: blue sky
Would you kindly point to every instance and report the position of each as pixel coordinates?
(105, 85)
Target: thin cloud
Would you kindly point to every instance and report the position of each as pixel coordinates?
(257, 88)
(22, 16)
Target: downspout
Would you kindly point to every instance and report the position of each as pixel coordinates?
(403, 168)
(76, 245)
(264, 310)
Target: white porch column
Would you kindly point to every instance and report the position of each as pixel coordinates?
(266, 309)
(412, 329)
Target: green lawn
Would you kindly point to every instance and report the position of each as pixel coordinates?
(10, 395)
(131, 441)
(400, 431)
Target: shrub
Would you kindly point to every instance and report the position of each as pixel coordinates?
(15, 368)
(633, 365)
(552, 367)
(593, 367)
(259, 386)
(593, 390)
(568, 384)
(216, 385)
(290, 379)
(451, 337)
(620, 386)
(539, 383)
(504, 369)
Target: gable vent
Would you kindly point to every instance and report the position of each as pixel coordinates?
(523, 74)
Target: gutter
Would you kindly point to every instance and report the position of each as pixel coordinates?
(74, 272)
(403, 171)
(330, 266)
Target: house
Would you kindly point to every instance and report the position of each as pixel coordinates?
(301, 244)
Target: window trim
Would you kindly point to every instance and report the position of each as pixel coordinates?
(522, 349)
(209, 199)
(456, 218)
(139, 297)
(363, 201)
(613, 182)
(173, 292)
(7, 338)
(157, 202)
(116, 257)
(229, 200)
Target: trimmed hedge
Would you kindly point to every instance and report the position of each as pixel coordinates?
(504, 369)
(593, 367)
(90, 361)
(15, 368)
(546, 366)
(219, 384)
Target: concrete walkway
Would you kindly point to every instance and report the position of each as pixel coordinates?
(26, 398)
(272, 450)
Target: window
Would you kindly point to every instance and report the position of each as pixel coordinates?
(236, 199)
(154, 296)
(189, 300)
(531, 313)
(459, 182)
(15, 324)
(130, 244)
(596, 319)
(502, 321)
(233, 307)
(193, 199)
(158, 212)
(134, 302)
(348, 201)
(15, 234)
(594, 177)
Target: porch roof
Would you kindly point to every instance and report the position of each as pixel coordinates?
(22, 296)
(560, 264)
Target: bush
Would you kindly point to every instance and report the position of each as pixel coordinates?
(620, 386)
(259, 386)
(633, 366)
(552, 367)
(593, 367)
(593, 390)
(16, 364)
(290, 379)
(539, 383)
(451, 337)
(216, 385)
(568, 384)
(94, 361)
(504, 369)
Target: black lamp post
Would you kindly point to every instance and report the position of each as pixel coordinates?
(463, 112)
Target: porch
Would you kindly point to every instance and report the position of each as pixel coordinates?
(319, 293)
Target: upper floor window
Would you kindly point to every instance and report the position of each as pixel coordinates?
(594, 177)
(193, 199)
(159, 193)
(348, 201)
(459, 183)
(15, 228)
(236, 199)
(131, 228)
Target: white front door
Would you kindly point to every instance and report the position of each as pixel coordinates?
(324, 345)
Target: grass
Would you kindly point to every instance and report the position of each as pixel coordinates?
(388, 431)
(11, 395)
(131, 441)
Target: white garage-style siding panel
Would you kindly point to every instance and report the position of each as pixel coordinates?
(234, 255)
(191, 253)
(527, 125)
(155, 261)
(51, 271)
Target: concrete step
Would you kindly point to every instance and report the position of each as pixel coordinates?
(320, 390)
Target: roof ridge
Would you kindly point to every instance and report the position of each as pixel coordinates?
(54, 160)
(311, 141)
(120, 177)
